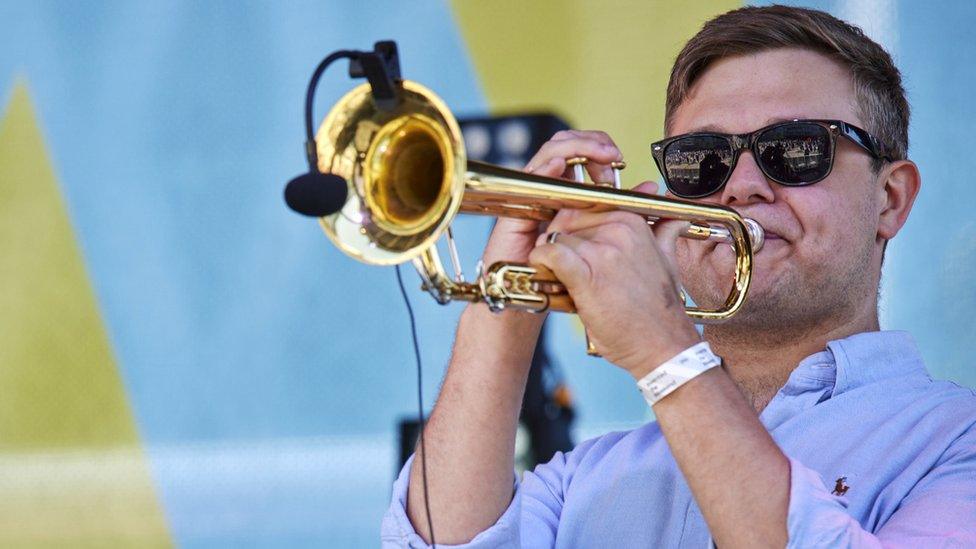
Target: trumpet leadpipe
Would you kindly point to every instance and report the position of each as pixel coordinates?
(501, 192)
(717, 233)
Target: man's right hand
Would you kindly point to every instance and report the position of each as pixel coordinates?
(513, 239)
(470, 437)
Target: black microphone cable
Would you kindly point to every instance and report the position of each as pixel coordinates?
(312, 157)
(313, 82)
(420, 404)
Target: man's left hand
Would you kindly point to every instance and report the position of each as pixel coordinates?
(623, 279)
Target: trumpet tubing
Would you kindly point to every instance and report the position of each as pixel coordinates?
(408, 177)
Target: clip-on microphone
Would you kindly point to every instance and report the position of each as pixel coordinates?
(319, 194)
(316, 193)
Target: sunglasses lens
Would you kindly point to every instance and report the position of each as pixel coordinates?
(795, 154)
(697, 165)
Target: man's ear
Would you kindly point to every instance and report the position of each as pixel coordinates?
(899, 185)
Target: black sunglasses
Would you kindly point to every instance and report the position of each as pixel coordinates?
(793, 153)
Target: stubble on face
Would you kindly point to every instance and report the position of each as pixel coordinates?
(826, 273)
(790, 306)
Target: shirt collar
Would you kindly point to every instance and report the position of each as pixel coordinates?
(874, 356)
(861, 359)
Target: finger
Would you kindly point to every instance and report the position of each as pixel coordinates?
(587, 244)
(666, 233)
(552, 167)
(563, 135)
(617, 235)
(596, 135)
(647, 187)
(574, 241)
(513, 225)
(597, 152)
(598, 172)
(599, 241)
(560, 258)
(543, 166)
(578, 146)
(572, 221)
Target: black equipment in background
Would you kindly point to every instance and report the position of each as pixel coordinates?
(547, 408)
(510, 140)
(547, 414)
(547, 411)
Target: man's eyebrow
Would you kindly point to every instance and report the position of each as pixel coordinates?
(707, 128)
(713, 128)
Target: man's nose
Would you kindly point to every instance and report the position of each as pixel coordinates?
(747, 184)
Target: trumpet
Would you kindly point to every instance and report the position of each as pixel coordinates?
(408, 177)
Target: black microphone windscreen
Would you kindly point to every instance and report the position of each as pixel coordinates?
(316, 194)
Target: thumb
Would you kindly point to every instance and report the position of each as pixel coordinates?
(647, 187)
(666, 233)
(561, 258)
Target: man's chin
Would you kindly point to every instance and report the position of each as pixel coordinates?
(708, 276)
(765, 288)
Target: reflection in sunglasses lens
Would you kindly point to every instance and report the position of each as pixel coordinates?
(697, 165)
(795, 154)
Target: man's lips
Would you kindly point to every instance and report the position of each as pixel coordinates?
(769, 236)
(772, 237)
(769, 233)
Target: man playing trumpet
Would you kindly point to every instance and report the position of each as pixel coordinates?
(799, 423)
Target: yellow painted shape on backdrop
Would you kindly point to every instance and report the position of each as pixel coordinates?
(72, 470)
(602, 65)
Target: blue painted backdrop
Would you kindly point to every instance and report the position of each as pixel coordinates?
(265, 369)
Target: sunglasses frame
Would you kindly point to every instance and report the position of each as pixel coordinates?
(743, 141)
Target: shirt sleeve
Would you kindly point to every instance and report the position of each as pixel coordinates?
(939, 512)
(816, 519)
(941, 509)
(531, 519)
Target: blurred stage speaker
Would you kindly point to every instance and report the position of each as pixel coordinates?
(511, 140)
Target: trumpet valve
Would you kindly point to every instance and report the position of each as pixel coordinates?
(616, 168)
(579, 174)
(579, 164)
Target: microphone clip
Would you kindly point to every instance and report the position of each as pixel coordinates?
(381, 67)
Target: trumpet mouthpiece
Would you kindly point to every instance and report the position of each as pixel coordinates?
(756, 234)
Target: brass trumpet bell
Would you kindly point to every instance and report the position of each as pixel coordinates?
(408, 176)
(405, 171)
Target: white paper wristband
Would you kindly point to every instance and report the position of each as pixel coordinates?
(681, 369)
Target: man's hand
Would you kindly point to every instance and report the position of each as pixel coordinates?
(470, 438)
(513, 239)
(623, 280)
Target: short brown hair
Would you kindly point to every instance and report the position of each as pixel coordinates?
(878, 91)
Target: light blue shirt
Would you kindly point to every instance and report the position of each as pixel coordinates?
(864, 409)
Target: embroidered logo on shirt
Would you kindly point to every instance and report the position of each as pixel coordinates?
(840, 488)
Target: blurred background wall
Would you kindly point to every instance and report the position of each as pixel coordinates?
(185, 362)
